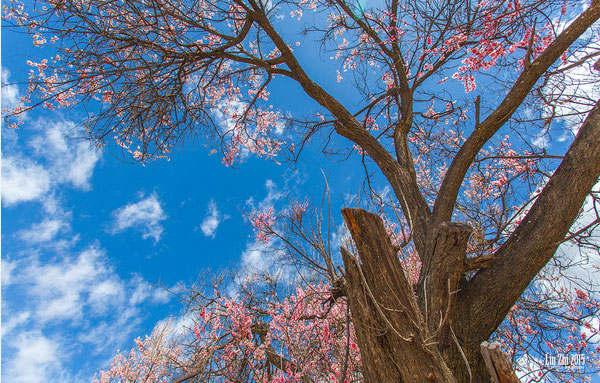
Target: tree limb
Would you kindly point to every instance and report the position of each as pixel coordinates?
(538, 236)
(453, 179)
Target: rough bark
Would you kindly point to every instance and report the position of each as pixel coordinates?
(391, 332)
(498, 364)
(438, 283)
(397, 343)
(437, 289)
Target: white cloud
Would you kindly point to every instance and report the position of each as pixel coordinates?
(23, 180)
(145, 292)
(68, 290)
(273, 195)
(528, 368)
(212, 220)
(228, 125)
(76, 301)
(577, 88)
(54, 231)
(43, 232)
(256, 258)
(541, 141)
(7, 271)
(80, 171)
(259, 258)
(593, 332)
(175, 327)
(36, 359)
(265, 258)
(144, 215)
(59, 160)
(10, 92)
(127, 300)
(70, 160)
(108, 335)
(102, 294)
(13, 322)
(575, 266)
(64, 289)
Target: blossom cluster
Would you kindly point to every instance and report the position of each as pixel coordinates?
(256, 335)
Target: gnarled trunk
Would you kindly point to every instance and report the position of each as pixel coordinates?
(406, 336)
(395, 344)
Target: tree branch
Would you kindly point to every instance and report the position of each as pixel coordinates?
(538, 236)
(399, 176)
(447, 196)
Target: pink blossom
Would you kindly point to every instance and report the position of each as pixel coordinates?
(262, 222)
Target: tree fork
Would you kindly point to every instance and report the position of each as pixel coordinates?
(390, 330)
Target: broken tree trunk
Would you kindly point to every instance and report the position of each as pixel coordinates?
(439, 279)
(437, 298)
(397, 342)
(393, 338)
(498, 364)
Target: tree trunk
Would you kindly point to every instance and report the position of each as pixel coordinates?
(398, 343)
(498, 363)
(394, 341)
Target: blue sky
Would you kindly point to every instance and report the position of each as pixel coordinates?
(91, 241)
(83, 232)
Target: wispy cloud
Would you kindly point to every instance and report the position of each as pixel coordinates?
(249, 134)
(542, 141)
(265, 258)
(53, 232)
(22, 180)
(273, 195)
(70, 160)
(212, 220)
(44, 231)
(576, 264)
(36, 359)
(575, 88)
(12, 322)
(7, 268)
(80, 294)
(127, 298)
(527, 367)
(10, 92)
(65, 289)
(145, 216)
(259, 257)
(59, 160)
